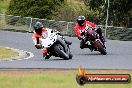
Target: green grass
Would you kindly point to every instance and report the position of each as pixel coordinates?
(4, 5)
(51, 79)
(6, 53)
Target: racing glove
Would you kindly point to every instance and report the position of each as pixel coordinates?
(38, 46)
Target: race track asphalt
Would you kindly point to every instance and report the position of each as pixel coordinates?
(119, 54)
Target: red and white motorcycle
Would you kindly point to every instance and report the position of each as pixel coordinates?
(92, 41)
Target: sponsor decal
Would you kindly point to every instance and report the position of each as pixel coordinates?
(83, 78)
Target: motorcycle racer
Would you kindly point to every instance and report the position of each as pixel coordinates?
(40, 30)
(81, 25)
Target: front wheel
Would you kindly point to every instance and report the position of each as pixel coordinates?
(46, 56)
(101, 48)
(70, 55)
(60, 51)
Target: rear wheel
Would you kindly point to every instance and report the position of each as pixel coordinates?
(60, 51)
(101, 48)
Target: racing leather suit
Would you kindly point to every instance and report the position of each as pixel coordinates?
(36, 38)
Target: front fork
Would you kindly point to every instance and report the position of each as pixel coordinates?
(100, 42)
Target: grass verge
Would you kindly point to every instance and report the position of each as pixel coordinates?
(53, 79)
(7, 53)
(4, 4)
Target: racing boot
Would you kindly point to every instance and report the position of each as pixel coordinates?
(46, 56)
(91, 48)
(45, 53)
(82, 44)
(102, 39)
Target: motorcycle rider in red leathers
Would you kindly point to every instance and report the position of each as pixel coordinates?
(82, 24)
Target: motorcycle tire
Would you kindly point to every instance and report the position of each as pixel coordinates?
(45, 56)
(101, 48)
(60, 51)
(70, 56)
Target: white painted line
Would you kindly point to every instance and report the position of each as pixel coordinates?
(30, 55)
(22, 54)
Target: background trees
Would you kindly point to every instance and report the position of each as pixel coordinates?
(34, 8)
(120, 11)
(67, 10)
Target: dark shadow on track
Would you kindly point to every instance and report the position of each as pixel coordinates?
(89, 54)
(53, 59)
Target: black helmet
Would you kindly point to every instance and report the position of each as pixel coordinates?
(80, 20)
(38, 27)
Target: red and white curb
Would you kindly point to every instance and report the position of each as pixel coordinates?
(22, 55)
